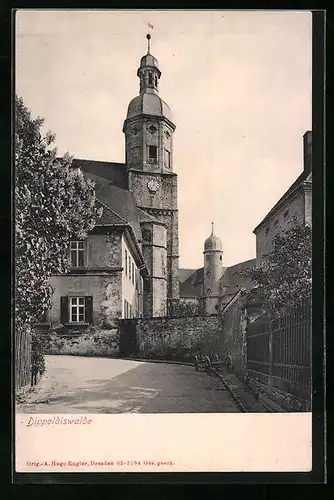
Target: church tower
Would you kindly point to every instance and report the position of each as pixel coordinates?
(213, 270)
(149, 130)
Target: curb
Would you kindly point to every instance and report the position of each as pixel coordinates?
(230, 390)
(271, 405)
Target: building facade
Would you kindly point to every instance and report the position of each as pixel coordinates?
(295, 204)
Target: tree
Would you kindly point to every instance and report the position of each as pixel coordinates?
(284, 278)
(53, 202)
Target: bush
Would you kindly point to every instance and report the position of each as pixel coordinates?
(99, 343)
(179, 346)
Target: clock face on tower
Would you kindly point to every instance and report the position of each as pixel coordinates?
(153, 185)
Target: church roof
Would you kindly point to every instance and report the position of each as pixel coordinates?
(108, 217)
(149, 104)
(120, 201)
(184, 274)
(191, 287)
(115, 172)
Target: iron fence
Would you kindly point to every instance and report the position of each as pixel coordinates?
(279, 348)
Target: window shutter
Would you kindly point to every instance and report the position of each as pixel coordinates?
(64, 310)
(89, 309)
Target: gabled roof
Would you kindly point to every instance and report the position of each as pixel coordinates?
(119, 200)
(305, 177)
(115, 172)
(191, 287)
(185, 273)
(196, 277)
(108, 217)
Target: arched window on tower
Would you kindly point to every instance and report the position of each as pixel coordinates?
(150, 79)
(156, 81)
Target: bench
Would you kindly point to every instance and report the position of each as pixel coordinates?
(202, 362)
(208, 363)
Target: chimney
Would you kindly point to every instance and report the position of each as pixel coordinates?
(307, 138)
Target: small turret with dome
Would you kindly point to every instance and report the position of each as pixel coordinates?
(213, 269)
(213, 243)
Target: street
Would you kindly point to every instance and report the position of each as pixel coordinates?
(74, 384)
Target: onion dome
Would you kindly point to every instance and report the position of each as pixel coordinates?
(213, 243)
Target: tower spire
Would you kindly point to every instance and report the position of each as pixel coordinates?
(148, 36)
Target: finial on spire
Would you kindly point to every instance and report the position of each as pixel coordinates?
(212, 226)
(148, 36)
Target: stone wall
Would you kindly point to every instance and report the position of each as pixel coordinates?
(234, 335)
(284, 399)
(177, 338)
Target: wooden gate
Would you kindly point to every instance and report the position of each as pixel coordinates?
(128, 337)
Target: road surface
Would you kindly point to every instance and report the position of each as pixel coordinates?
(74, 384)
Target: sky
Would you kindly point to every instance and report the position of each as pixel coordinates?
(238, 83)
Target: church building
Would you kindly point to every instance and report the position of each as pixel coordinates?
(128, 266)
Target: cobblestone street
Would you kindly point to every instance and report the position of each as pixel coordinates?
(74, 384)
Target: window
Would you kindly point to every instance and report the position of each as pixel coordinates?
(286, 213)
(127, 310)
(130, 268)
(77, 253)
(133, 273)
(167, 159)
(220, 257)
(126, 263)
(152, 154)
(77, 309)
(150, 79)
(276, 223)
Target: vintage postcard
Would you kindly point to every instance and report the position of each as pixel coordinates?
(163, 230)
